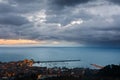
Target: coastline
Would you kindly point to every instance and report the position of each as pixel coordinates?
(19, 70)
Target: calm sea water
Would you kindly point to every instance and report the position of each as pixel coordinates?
(87, 55)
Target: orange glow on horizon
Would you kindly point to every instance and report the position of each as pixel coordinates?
(17, 41)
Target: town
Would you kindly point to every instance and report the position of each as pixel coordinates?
(24, 70)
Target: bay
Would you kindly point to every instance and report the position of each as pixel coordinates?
(88, 55)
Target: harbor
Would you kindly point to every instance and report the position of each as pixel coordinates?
(23, 70)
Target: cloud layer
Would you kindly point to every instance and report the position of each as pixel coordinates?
(89, 22)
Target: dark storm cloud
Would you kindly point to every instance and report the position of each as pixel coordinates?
(115, 1)
(5, 8)
(7, 32)
(13, 20)
(91, 36)
(26, 6)
(58, 5)
(24, 1)
(79, 21)
(69, 2)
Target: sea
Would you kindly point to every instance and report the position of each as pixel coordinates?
(87, 55)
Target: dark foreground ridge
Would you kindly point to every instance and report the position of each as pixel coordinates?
(23, 70)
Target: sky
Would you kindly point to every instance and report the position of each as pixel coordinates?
(60, 22)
